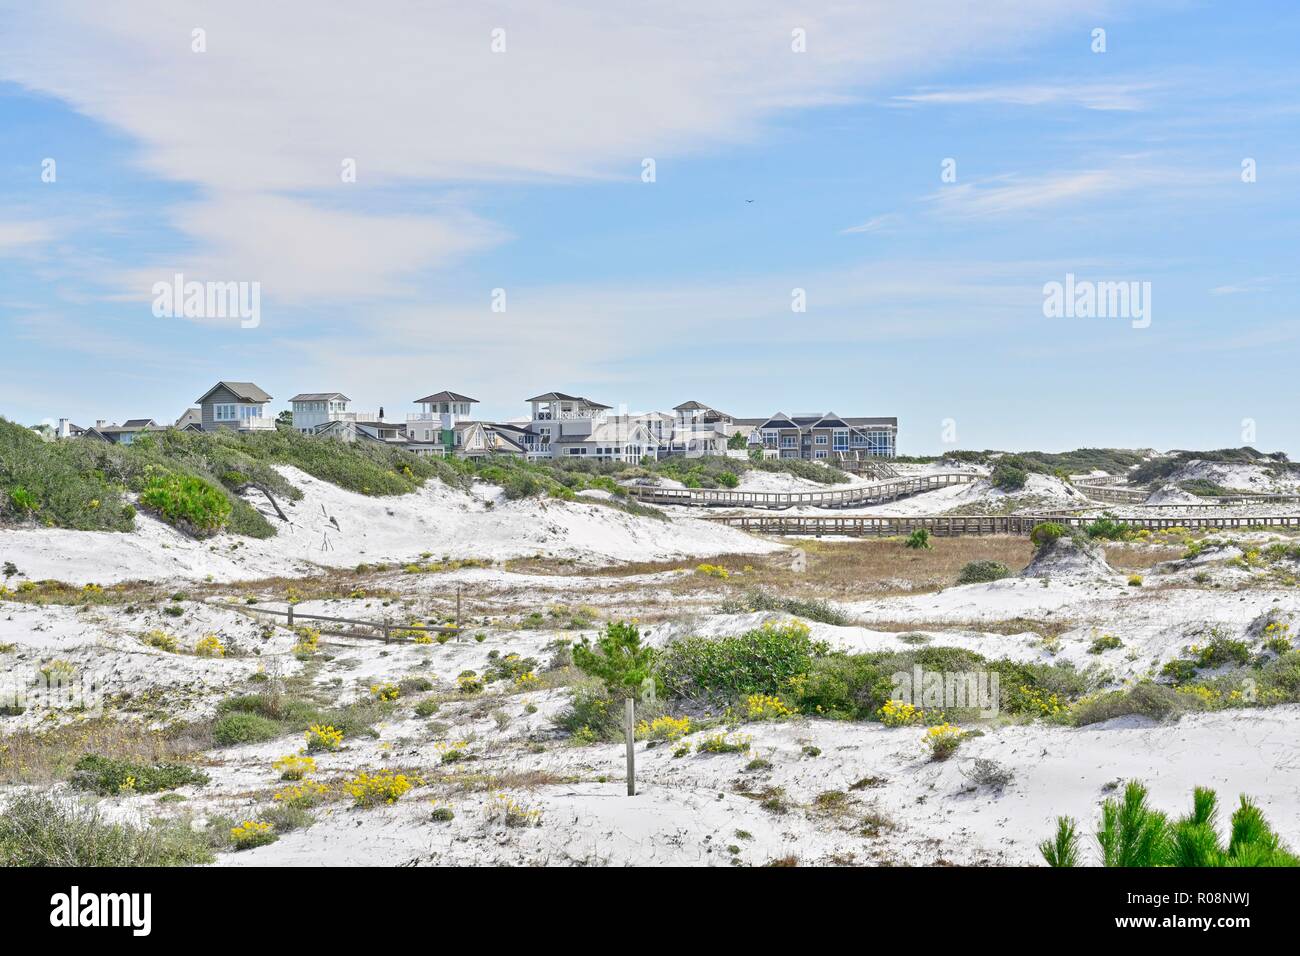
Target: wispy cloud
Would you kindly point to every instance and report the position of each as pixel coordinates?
(19, 237)
(1013, 194)
(1091, 96)
(874, 224)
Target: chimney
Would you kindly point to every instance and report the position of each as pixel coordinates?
(100, 423)
(64, 430)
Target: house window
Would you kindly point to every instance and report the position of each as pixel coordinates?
(841, 439)
(820, 453)
(820, 439)
(789, 441)
(224, 413)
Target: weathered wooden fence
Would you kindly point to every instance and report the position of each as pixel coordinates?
(371, 630)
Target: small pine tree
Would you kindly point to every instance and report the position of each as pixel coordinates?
(619, 658)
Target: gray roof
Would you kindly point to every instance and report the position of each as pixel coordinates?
(444, 396)
(135, 424)
(244, 391)
(561, 397)
(318, 397)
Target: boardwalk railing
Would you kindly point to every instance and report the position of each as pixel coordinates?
(375, 630)
(874, 493)
(949, 525)
(1101, 490)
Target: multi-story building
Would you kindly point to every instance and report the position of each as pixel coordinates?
(435, 424)
(237, 405)
(311, 410)
(828, 437)
(554, 416)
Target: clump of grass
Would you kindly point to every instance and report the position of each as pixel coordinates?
(813, 609)
(38, 830)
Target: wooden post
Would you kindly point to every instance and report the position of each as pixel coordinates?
(630, 722)
(458, 611)
(291, 615)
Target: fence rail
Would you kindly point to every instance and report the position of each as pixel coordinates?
(383, 629)
(950, 525)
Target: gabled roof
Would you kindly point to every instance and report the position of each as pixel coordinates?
(779, 420)
(319, 397)
(691, 406)
(190, 416)
(136, 424)
(561, 397)
(444, 396)
(830, 420)
(244, 391)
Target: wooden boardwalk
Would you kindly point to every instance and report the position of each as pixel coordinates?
(875, 493)
(949, 525)
(882, 492)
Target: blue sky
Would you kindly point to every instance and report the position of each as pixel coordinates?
(521, 171)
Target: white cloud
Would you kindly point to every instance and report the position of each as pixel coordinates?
(285, 91)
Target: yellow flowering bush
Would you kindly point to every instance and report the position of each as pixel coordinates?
(527, 681)
(713, 571)
(302, 795)
(294, 766)
(469, 683)
(308, 641)
(210, 646)
(1031, 700)
(942, 740)
(252, 833)
(766, 707)
(664, 728)
(92, 589)
(385, 691)
(897, 713)
(368, 790)
(323, 737)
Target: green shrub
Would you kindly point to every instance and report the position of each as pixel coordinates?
(761, 661)
(1107, 642)
(244, 728)
(976, 572)
(1108, 529)
(593, 715)
(1046, 533)
(187, 502)
(1146, 698)
(106, 775)
(918, 540)
(1009, 474)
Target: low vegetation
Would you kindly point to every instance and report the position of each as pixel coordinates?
(37, 830)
